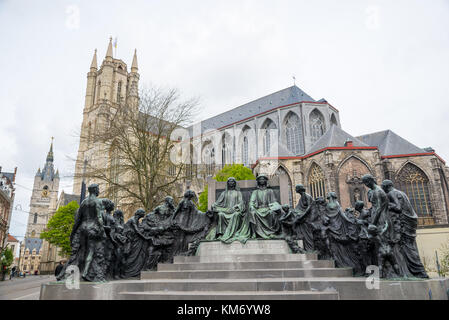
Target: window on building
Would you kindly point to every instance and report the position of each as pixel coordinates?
(282, 171)
(245, 158)
(209, 159)
(35, 218)
(414, 182)
(293, 134)
(316, 182)
(268, 133)
(317, 129)
(119, 90)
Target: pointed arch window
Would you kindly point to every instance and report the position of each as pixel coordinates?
(281, 171)
(414, 182)
(316, 182)
(97, 93)
(316, 125)
(268, 129)
(35, 218)
(209, 159)
(245, 158)
(226, 150)
(333, 119)
(119, 91)
(293, 134)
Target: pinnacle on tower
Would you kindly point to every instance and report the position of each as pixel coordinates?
(109, 52)
(93, 65)
(50, 153)
(134, 64)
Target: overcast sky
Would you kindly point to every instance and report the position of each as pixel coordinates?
(382, 64)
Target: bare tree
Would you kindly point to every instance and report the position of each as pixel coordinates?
(134, 141)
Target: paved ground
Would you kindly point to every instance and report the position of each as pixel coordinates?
(23, 289)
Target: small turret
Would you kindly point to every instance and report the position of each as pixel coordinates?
(93, 65)
(134, 64)
(109, 52)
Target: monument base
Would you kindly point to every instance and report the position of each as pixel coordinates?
(259, 269)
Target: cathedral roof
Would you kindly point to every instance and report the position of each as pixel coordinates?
(283, 97)
(389, 143)
(335, 137)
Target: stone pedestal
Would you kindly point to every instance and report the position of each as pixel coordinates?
(217, 248)
(259, 269)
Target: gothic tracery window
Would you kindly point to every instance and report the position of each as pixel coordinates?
(293, 134)
(209, 159)
(413, 181)
(280, 171)
(245, 158)
(268, 133)
(316, 125)
(316, 182)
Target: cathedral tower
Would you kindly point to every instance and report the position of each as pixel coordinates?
(107, 87)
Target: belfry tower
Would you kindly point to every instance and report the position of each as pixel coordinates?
(42, 205)
(107, 87)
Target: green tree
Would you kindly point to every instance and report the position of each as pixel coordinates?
(238, 171)
(60, 226)
(6, 259)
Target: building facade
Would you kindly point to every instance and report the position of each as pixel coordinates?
(7, 192)
(43, 203)
(286, 132)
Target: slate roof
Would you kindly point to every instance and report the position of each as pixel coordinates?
(33, 243)
(283, 97)
(335, 137)
(389, 143)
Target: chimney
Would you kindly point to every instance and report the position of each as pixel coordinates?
(14, 177)
(348, 143)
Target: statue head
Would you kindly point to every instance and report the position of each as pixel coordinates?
(387, 185)
(262, 180)
(368, 180)
(118, 214)
(169, 201)
(189, 194)
(358, 206)
(94, 189)
(300, 188)
(108, 205)
(140, 213)
(231, 183)
(331, 196)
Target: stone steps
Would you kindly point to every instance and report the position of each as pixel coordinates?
(246, 258)
(228, 295)
(254, 285)
(305, 264)
(248, 274)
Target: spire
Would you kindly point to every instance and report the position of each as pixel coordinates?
(93, 65)
(50, 153)
(109, 52)
(134, 64)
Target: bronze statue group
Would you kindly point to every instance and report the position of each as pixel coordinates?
(104, 247)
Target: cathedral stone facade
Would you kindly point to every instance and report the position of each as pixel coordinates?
(284, 133)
